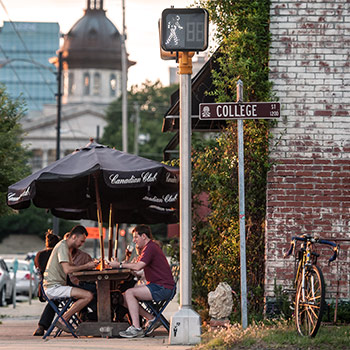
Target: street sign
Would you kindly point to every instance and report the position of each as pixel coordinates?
(184, 29)
(241, 110)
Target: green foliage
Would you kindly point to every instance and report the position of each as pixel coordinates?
(152, 100)
(343, 312)
(283, 304)
(13, 157)
(243, 35)
(277, 335)
(216, 250)
(31, 221)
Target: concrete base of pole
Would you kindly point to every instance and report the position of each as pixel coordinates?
(185, 327)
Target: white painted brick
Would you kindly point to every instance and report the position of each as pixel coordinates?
(297, 69)
(333, 82)
(319, 77)
(306, 76)
(336, 57)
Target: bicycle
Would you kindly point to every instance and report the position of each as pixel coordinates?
(309, 284)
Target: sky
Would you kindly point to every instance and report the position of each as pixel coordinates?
(141, 18)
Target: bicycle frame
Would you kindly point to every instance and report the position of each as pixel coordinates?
(309, 285)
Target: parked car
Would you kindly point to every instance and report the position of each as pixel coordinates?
(6, 285)
(23, 277)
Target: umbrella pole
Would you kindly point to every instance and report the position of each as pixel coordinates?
(116, 241)
(99, 219)
(110, 237)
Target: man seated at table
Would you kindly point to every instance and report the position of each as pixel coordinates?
(59, 266)
(79, 257)
(160, 282)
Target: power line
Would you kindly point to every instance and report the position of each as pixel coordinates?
(30, 97)
(25, 46)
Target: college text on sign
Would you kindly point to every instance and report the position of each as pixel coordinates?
(248, 110)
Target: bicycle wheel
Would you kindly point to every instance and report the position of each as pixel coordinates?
(309, 302)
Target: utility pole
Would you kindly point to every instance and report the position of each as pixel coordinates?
(124, 87)
(137, 128)
(56, 222)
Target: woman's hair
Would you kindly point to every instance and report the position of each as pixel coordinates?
(140, 229)
(51, 239)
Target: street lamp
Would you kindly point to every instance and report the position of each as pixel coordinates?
(58, 73)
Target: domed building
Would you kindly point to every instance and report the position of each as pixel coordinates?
(91, 75)
(92, 57)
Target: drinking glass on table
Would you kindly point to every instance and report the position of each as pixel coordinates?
(128, 251)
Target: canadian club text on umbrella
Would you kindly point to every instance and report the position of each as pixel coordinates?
(103, 184)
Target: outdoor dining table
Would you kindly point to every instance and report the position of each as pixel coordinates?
(104, 279)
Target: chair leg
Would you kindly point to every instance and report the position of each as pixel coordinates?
(158, 316)
(60, 316)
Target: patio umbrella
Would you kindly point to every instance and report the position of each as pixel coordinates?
(100, 183)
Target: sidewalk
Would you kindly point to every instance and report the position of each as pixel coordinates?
(18, 325)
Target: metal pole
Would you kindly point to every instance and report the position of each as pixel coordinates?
(59, 103)
(124, 88)
(242, 211)
(185, 191)
(185, 324)
(56, 223)
(137, 128)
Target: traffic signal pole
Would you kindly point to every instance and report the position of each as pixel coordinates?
(185, 71)
(185, 324)
(182, 33)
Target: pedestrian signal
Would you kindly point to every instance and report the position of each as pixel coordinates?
(184, 29)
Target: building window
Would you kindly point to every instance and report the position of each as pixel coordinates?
(51, 156)
(113, 85)
(71, 84)
(36, 161)
(86, 90)
(97, 84)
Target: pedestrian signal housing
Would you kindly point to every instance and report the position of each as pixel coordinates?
(184, 29)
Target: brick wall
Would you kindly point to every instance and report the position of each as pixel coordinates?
(309, 184)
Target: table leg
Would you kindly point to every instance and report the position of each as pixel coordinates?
(104, 301)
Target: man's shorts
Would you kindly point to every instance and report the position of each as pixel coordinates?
(58, 291)
(159, 292)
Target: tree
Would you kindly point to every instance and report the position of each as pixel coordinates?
(32, 221)
(152, 101)
(13, 156)
(243, 36)
(14, 167)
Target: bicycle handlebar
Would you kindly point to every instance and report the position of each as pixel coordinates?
(313, 240)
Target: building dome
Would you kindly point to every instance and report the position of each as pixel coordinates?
(93, 41)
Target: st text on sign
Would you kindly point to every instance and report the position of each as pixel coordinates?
(248, 110)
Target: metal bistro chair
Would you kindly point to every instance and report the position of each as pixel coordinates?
(63, 305)
(157, 307)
